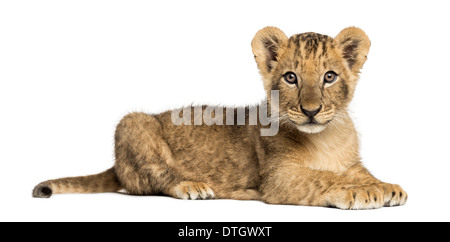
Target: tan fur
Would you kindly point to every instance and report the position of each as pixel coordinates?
(312, 160)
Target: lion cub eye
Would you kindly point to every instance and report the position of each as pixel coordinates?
(290, 77)
(330, 77)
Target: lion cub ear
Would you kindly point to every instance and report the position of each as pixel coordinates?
(354, 45)
(266, 46)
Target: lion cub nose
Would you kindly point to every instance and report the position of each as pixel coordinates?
(310, 113)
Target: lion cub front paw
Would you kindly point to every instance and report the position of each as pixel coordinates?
(192, 191)
(394, 195)
(366, 196)
(356, 197)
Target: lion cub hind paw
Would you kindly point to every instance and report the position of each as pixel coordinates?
(192, 191)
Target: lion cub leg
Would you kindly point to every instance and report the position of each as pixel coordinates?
(142, 156)
(378, 193)
(144, 161)
(356, 188)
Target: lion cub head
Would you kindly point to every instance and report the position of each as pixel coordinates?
(315, 74)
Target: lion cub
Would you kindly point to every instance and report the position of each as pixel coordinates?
(311, 159)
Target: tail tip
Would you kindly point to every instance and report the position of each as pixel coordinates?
(42, 191)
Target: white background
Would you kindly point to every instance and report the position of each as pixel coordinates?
(69, 70)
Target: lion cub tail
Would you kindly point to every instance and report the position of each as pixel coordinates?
(102, 182)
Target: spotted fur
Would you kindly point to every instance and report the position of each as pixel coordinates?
(313, 160)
